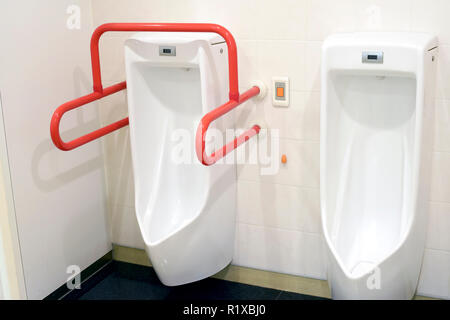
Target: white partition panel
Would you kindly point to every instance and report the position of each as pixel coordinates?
(59, 197)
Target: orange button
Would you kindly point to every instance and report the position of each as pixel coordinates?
(280, 92)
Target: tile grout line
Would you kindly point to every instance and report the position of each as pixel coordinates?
(310, 233)
(279, 184)
(438, 250)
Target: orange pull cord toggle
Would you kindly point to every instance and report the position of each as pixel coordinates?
(283, 158)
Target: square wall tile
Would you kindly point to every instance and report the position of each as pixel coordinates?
(442, 73)
(125, 229)
(119, 173)
(280, 250)
(281, 20)
(278, 206)
(239, 17)
(301, 168)
(327, 16)
(248, 59)
(113, 107)
(440, 177)
(284, 59)
(442, 126)
(120, 180)
(112, 58)
(432, 17)
(105, 11)
(299, 121)
(438, 235)
(313, 52)
(116, 147)
(435, 275)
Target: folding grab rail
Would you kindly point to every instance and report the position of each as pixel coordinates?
(99, 92)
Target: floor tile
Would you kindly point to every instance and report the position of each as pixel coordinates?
(125, 281)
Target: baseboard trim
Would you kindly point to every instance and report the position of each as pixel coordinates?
(86, 275)
(275, 280)
(256, 277)
(131, 255)
(261, 278)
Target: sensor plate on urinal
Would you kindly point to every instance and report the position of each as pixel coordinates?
(167, 51)
(372, 57)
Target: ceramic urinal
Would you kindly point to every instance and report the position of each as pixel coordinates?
(186, 211)
(376, 117)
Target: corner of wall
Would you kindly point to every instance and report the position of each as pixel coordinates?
(11, 272)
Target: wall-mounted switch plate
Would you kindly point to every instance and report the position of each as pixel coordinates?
(280, 96)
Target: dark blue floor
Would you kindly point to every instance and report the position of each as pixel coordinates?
(125, 281)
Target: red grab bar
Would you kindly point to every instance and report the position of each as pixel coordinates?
(213, 115)
(100, 92)
(76, 103)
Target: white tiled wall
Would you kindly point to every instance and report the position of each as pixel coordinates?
(278, 224)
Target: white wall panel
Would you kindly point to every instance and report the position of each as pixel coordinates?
(59, 196)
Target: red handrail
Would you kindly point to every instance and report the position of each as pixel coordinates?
(100, 92)
(213, 115)
(73, 104)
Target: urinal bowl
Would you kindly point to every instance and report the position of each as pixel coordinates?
(376, 132)
(185, 211)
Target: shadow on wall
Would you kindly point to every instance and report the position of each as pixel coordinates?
(47, 146)
(119, 172)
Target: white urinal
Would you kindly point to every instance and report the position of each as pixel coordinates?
(376, 118)
(186, 211)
